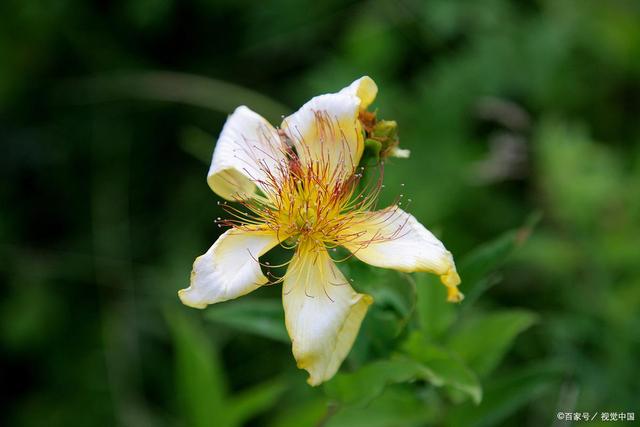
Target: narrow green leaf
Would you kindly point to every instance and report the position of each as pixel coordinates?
(505, 396)
(250, 402)
(264, 317)
(447, 369)
(189, 89)
(482, 342)
(200, 384)
(295, 413)
(368, 382)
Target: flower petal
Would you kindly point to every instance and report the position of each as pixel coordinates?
(229, 268)
(326, 130)
(365, 89)
(247, 149)
(392, 238)
(322, 313)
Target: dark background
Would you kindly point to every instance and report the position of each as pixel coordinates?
(109, 112)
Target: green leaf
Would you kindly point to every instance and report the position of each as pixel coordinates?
(447, 369)
(377, 337)
(189, 89)
(391, 291)
(387, 319)
(368, 382)
(264, 317)
(199, 379)
(250, 402)
(482, 342)
(395, 407)
(294, 413)
(505, 396)
(475, 267)
(435, 314)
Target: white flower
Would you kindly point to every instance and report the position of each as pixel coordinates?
(299, 184)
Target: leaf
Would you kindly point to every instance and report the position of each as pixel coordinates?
(387, 319)
(299, 413)
(368, 382)
(189, 89)
(200, 383)
(482, 342)
(447, 369)
(391, 291)
(264, 317)
(486, 258)
(248, 403)
(505, 396)
(435, 314)
(395, 407)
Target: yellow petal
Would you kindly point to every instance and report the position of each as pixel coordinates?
(322, 313)
(248, 147)
(229, 268)
(392, 238)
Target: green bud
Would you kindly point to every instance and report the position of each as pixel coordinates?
(386, 129)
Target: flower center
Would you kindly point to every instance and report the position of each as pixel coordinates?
(313, 203)
(309, 202)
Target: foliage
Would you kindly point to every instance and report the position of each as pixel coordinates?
(521, 118)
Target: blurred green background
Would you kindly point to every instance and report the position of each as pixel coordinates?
(523, 123)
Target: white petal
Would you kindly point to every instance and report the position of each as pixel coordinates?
(365, 89)
(322, 313)
(392, 238)
(247, 148)
(229, 268)
(327, 131)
